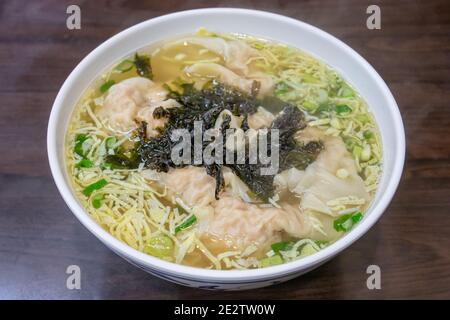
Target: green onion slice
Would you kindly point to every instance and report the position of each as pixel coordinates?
(79, 140)
(186, 223)
(94, 186)
(271, 261)
(347, 221)
(84, 163)
(343, 108)
(106, 85)
(110, 142)
(97, 201)
(159, 246)
(124, 66)
(368, 134)
(281, 246)
(281, 88)
(346, 92)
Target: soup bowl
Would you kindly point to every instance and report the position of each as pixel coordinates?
(320, 44)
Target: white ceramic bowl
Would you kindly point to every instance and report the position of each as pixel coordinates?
(267, 25)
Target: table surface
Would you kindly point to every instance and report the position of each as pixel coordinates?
(39, 236)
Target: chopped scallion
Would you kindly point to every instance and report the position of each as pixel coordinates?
(186, 223)
(97, 201)
(271, 261)
(110, 142)
(307, 250)
(281, 88)
(79, 140)
(107, 166)
(368, 134)
(347, 221)
(124, 66)
(346, 92)
(281, 246)
(159, 246)
(106, 85)
(307, 78)
(342, 108)
(366, 153)
(94, 186)
(84, 163)
(308, 105)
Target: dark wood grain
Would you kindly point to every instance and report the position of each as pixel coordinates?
(39, 236)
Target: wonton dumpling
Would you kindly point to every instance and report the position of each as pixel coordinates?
(319, 184)
(194, 186)
(122, 103)
(146, 114)
(219, 72)
(242, 224)
(266, 83)
(230, 218)
(134, 99)
(225, 75)
(234, 52)
(236, 55)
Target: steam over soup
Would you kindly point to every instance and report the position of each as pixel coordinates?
(296, 155)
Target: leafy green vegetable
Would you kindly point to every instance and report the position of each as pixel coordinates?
(343, 108)
(124, 66)
(106, 85)
(293, 153)
(84, 163)
(97, 201)
(273, 104)
(186, 223)
(94, 186)
(261, 185)
(122, 159)
(143, 66)
(271, 261)
(196, 105)
(159, 246)
(347, 221)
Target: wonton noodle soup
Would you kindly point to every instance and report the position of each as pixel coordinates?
(120, 152)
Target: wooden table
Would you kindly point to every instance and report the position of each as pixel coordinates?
(39, 236)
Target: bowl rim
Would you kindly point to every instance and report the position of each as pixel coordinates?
(162, 267)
